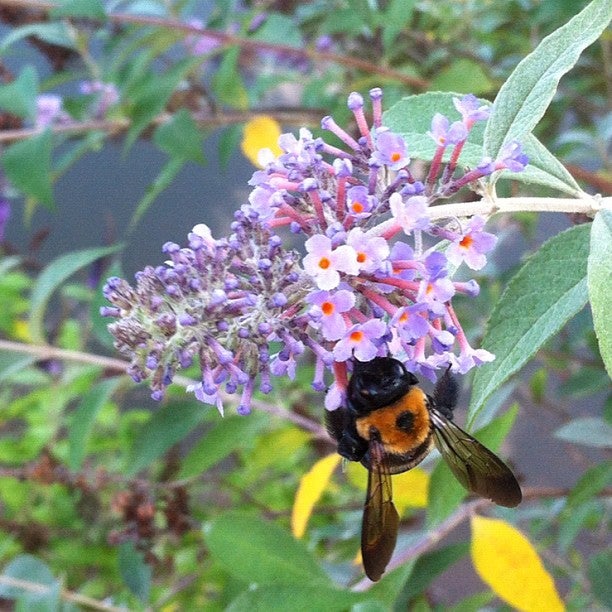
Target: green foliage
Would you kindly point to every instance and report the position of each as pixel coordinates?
(525, 317)
(136, 505)
(599, 281)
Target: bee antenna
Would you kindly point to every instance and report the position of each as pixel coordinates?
(446, 393)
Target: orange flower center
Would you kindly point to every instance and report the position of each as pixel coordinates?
(396, 156)
(357, 336)
(327, 308)
(324, 263)
(466, 242)
(361, 257)
(357, 207)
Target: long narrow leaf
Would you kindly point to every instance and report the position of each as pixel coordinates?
(52, 277)
(525, 96)
(600, 283)
(546, 292)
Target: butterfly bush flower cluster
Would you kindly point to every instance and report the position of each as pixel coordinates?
(371, 279)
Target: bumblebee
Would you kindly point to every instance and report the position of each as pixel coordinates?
(389, 424)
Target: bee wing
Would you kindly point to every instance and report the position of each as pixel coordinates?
(380, 518)
(475, 466)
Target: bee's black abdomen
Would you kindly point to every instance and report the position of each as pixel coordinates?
(446, 394)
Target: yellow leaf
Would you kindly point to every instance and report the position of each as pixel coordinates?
(312, 485)
(261, 132)
(505, 559)
(21, 331)
(409, 488)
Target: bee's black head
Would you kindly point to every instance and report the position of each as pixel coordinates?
(377, 383)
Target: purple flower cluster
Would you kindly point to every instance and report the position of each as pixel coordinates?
(374, 279)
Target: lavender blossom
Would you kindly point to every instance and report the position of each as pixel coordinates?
(246, 308)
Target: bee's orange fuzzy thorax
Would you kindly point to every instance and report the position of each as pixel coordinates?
(383, 420)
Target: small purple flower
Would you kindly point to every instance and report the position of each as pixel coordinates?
(471, 245)
(410, 215)
(471, 110)
(390, 150)
(359, 203)
(335, 397)
(49, 110)
(213, 398)
(511, 157)
(5, 213)
(444, 134)
(435, 286)
(325, 264)
(200, 44)
(261, 203)
(327, 309)
(361, 341)
(469, 358)
(411, 322)
(371, 250)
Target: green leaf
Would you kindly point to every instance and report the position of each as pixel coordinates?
(281, 30)
(166, 427)
(411, 117)
(19, 97)
(254, 550)
(32, 570)
(227, 83)
(473, 603)
(546, 292)
(445, 492)
(543, 169)
(162, 181)
(426, 569)
(229, 141)
(525, 96)
(83, 418)
(573, 519)
(12, 363)
(599, 281)
(56, 33)
(589, 431)
(599, 572)
(151, 96)
(586, 381)
(180, 137)
(397, 14)
(136, 574)
(52, 277)
(594, 480)
(303, 598)
(226, 436)
(87, 9)
(388, 588)
(27, 164)
(463, 75)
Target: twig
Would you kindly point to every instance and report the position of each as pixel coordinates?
(317, 57)
(42, 589)
(45, 352)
